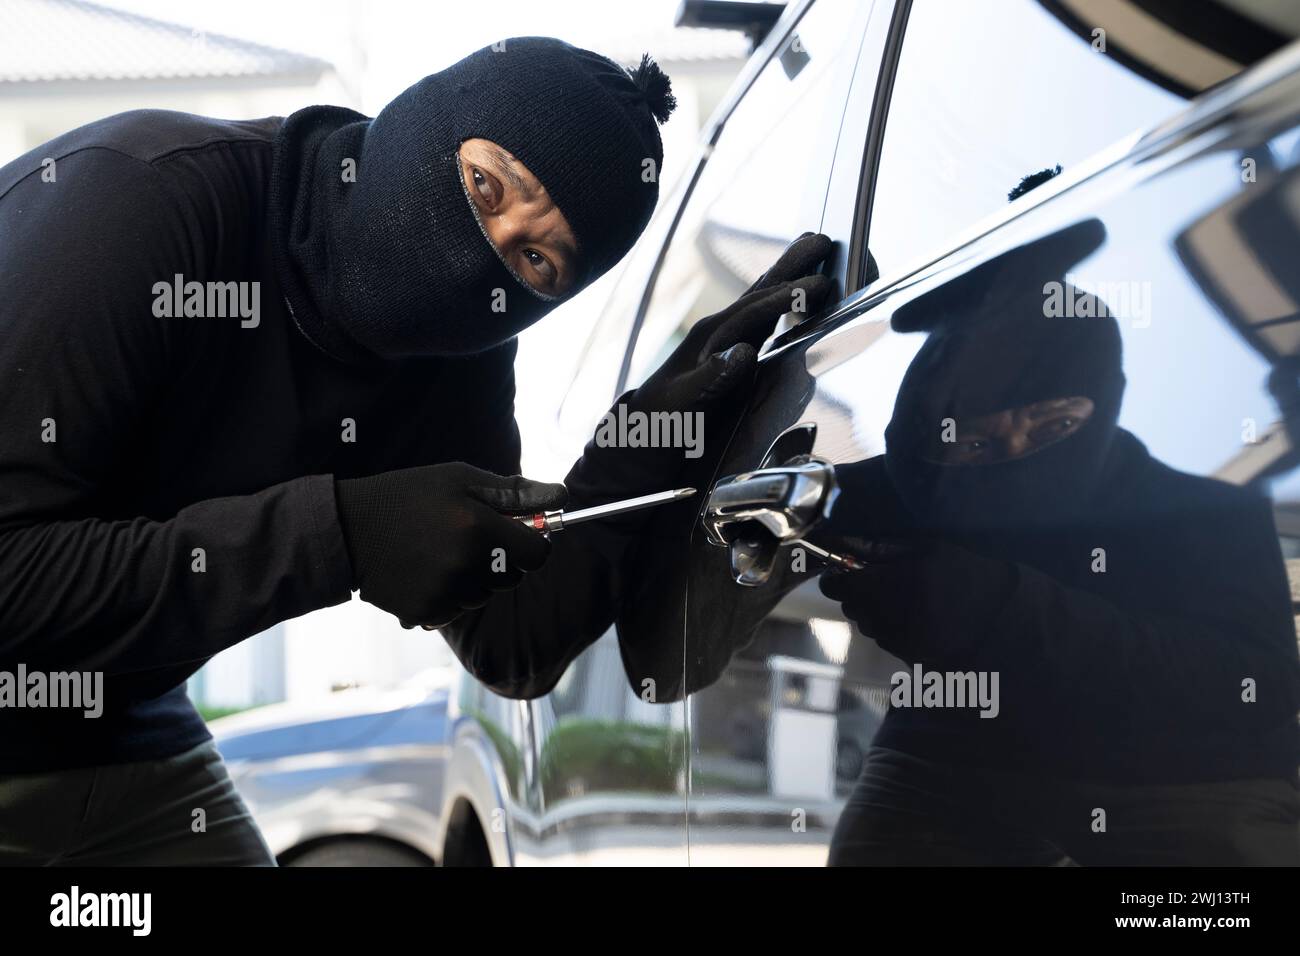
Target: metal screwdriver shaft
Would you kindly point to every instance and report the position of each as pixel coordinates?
(548, 521)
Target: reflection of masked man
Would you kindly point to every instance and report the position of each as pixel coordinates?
(1124, 608)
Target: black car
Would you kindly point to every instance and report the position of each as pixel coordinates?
(1074, 222)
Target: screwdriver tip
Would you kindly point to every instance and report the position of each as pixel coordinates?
(683, 492)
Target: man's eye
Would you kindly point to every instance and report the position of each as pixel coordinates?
(1056, 428)
(963, 451)
(483, 185)
(541, 265)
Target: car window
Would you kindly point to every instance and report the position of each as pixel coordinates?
(986, 94)
(597, 371)
(764, 183)
(1091, 409)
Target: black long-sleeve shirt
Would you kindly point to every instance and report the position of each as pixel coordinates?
(1132, 675)
(129, 441)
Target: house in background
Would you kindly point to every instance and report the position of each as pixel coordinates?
(64, 63)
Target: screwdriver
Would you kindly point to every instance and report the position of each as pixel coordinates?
(847, 562)
(548, 521)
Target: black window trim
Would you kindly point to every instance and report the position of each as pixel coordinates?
(856, 271)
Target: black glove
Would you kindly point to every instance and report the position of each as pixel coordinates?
(801, 258)
(721, 351)
(423, 540)
(708, 372)
(928, 601)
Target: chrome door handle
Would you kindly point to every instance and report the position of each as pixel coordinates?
(785, 500)
(753, 514)
(756, 512)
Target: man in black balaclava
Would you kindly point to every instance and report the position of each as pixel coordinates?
(1012, 528)
(248, 367)
(394, 264)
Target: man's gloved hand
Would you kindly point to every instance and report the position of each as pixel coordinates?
(422, 539)
(715, 362)
(801, 258)
(721, 351)
(929, 601)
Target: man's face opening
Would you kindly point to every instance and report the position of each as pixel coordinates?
(521, 220)
(1013, 433)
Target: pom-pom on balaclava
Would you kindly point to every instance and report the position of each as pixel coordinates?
(377, 243)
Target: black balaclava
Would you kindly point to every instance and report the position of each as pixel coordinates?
(396, 264)
(997, 353)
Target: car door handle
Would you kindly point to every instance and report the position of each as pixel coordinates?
(785, 500)
(754, 513)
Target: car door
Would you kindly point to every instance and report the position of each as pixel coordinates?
(612, 749)
(1159, 239)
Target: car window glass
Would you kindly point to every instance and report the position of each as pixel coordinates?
(763, 185)
(986, 94)
(596, 372)
(1110, 569)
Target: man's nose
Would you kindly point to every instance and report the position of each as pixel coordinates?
(1016, 443)
(509, 229)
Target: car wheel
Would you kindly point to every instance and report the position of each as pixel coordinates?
(358, 853)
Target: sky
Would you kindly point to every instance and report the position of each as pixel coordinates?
(402, 40)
